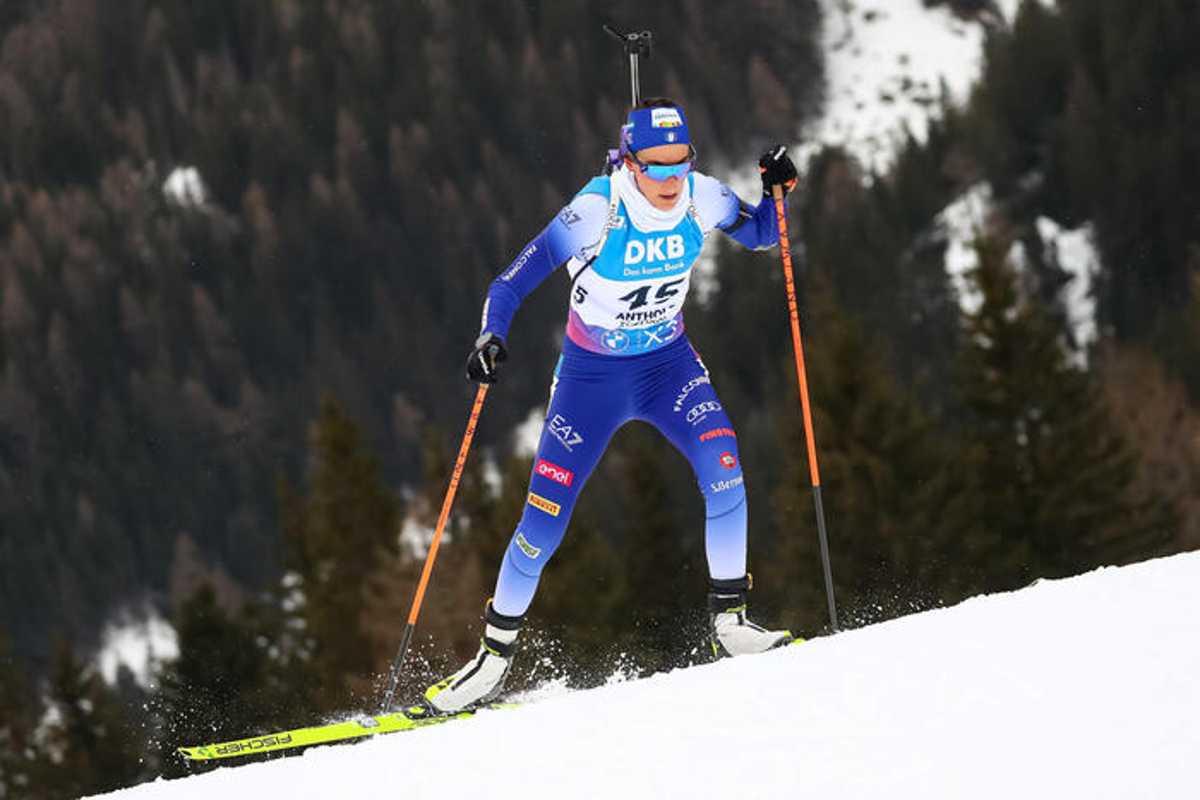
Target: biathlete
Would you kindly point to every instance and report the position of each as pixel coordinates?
(629, 240)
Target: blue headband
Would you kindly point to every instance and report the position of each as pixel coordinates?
(648, 127)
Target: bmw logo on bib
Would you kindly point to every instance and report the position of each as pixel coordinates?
(616, 340)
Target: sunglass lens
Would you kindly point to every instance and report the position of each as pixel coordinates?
(661, 172)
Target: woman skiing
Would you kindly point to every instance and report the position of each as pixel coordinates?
(629, 241)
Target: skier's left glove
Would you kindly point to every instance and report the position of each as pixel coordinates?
(777, 169)
(484, 361)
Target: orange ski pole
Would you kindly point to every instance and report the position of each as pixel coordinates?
(431, 556)
(785, 251)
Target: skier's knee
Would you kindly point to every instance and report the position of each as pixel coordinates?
(524, 557)
(724, 496)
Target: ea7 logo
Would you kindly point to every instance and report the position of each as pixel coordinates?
(660, 248)
(569, 216)
(554, 472)
(562, 430)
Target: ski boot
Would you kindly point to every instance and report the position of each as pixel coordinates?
(481, 680)
(731, 633)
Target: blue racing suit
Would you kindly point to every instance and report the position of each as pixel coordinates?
(626, 357)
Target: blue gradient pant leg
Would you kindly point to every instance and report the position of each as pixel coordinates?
(594, 395)
(585, 410)
(688, 412)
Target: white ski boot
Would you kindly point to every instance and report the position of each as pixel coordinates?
(481, 680)
(733, 634)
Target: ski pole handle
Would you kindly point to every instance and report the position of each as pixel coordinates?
(785, 249)
(431, 556)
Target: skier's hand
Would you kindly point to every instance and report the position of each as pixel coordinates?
(777, 169)
(485, 359)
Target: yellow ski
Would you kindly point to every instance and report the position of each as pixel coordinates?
(408, 719)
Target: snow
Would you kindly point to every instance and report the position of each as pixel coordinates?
(415, 537)
(1077, 254)
(1082, 687)
(529, 433)
(136, 642)
(185, 186)
(886, 64)
(963, 222)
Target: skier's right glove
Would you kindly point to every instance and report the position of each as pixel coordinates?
(485, 359)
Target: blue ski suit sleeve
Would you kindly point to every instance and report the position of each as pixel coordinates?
(754, 227)
(578, 226)
(757, 227)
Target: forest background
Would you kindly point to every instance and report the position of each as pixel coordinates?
(225, 402)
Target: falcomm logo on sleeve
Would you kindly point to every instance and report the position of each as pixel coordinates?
(542, 504)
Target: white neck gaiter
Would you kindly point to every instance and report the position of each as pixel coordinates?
(644, 216)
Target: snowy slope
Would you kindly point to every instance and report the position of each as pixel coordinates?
(1084, 687)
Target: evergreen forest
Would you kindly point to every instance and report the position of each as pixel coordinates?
(243, 250)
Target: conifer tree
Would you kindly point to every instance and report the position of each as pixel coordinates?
(90, 741)
(1056, 475)
(19, 760)
(224, 683)
(449, 627)
(883, 466)
(337, 533)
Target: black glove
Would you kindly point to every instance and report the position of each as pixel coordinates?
(485, 358)
(777, 169)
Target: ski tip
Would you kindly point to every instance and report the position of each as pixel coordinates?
(193, 753)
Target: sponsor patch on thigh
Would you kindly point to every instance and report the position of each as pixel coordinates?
(717, 433)
(548, 469)
(542, 504)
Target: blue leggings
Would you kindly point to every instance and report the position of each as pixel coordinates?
(594, 395)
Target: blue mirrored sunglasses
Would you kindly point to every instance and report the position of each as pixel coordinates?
(661, 172)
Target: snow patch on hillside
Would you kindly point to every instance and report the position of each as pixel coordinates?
(1077, 255)
(887, 65)
(136, 643)
(967, 218)
(185, 187)
(529, 433)
(963, 222)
